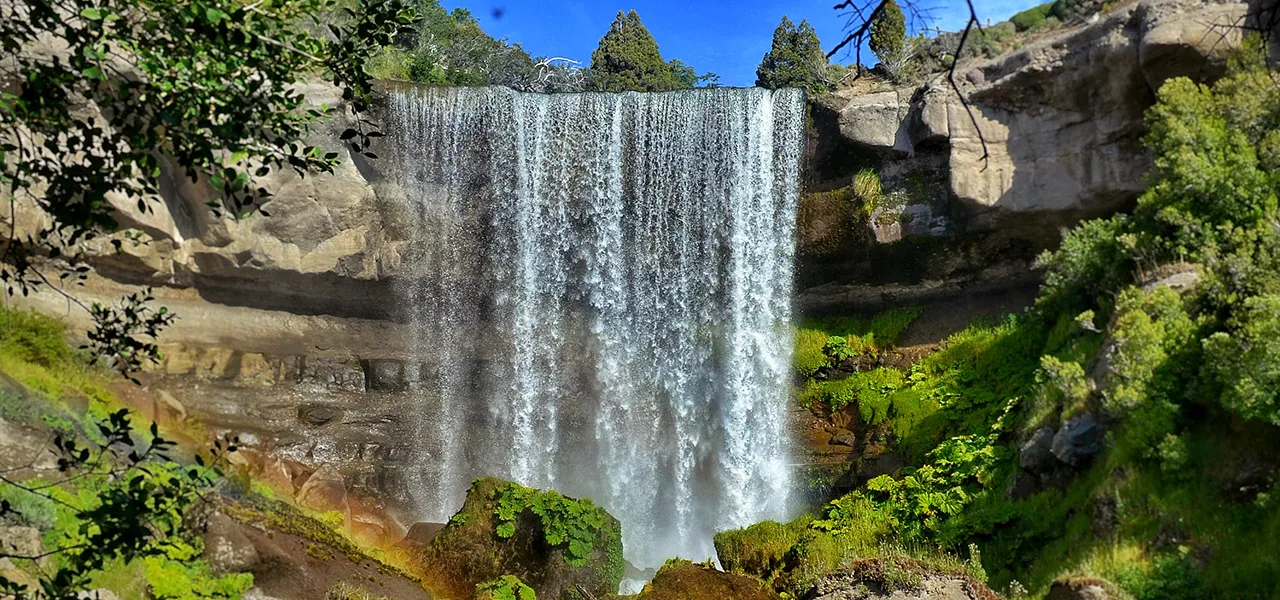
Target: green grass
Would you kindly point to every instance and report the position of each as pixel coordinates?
(863, 334)
(52, 376)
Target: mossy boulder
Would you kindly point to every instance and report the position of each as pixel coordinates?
(684, 580)
(557, 545)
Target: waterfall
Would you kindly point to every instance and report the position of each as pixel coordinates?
(601, 297)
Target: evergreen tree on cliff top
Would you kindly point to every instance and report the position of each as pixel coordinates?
(889, 34)
(627, 59)
(795, 60)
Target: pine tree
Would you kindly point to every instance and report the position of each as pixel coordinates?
(889, 33)
(795, 60)
(628, 59)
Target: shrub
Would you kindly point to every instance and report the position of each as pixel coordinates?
(760, 550)
(187, 578)
(1245, 362)
(1032, 18)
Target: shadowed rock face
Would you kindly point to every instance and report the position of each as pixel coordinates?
(1061, 123)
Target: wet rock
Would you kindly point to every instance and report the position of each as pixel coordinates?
(324, 491)
(168, 411)
(897, 579)
(318, 414)
(1077, 442)
(683, 580)
(1037, 454)
(385, 375)
(420, 534)
(468, 551)
(843, 437)
(226, 547)
(1082, 589)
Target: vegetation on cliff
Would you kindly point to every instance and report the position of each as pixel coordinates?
(105, 100)
(1125, 426)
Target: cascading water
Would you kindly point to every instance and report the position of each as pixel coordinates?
(602, 298)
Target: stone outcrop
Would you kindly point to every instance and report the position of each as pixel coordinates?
(470, 550)
(898, 579)
(1055, 137)
(683, 580)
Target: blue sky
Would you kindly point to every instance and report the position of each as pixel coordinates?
(727, 38)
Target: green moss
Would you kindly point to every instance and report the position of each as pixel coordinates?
(551, 542)
(807, 356)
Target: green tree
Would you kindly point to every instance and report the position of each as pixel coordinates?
(450, 48)
(628, 59)
(102, 99)
(687, 78)
(889, 33)
(795, 60)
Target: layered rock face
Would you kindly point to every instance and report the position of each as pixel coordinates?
(967, 202)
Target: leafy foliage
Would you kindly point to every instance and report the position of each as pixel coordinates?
(120, 499)
(507, 587)
(575, 525)
(207, 87)
(796, 59)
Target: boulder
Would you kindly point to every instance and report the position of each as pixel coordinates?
(874, 120)
(324, 491)
(1079, 440)
(684, 580)
(1192, 42)
(21, 541)
(226, 547)
(1037, 454)
(843, 437)
(10, 571)
(284, 475)
(898, 579)
(470, 551)
(168, 411)
(1082, 589)
(420, 534)
(373, 526)
(318, 414)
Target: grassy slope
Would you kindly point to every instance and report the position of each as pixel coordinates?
(45, 383)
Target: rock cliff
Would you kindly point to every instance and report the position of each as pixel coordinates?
(1055, 137)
